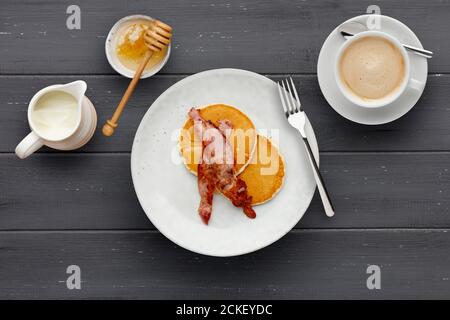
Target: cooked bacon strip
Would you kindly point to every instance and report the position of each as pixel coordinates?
(216, 168)
(206, 187)
(231, 186)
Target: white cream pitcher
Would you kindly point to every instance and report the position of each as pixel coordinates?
(60, 117)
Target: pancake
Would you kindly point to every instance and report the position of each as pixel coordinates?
(243, 140)
(264, 175)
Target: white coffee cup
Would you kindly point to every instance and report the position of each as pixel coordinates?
(407, 83)
(82, 123)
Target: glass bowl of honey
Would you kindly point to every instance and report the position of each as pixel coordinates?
(125, 47)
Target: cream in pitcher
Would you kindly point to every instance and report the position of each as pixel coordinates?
(61, 117)
(56, 114)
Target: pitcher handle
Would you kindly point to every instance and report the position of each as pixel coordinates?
(28, 145)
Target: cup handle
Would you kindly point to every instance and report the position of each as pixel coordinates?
(28, 145)
(416, 84)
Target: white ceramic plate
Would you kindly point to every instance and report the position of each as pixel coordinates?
(371, 116)
(168, 192)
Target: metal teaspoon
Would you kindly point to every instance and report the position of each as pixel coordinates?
(350, 29)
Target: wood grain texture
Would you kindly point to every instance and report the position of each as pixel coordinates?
(389, 183)
(303, 265)
(424, 128)
(266, 36)
(78, 191)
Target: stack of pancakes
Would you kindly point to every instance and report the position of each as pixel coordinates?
(258, 161)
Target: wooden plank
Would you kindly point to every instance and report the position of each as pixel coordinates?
(303, 265)
(95, 191)
(424, 128)
(262, 35)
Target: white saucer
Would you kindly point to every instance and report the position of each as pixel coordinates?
(371, 116)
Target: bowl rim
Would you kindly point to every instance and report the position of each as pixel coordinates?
(111, 55)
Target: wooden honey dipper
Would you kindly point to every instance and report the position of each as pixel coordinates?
(157, 37)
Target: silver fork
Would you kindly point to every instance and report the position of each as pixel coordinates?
(296, 117)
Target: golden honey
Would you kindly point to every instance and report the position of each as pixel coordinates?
(131, 46)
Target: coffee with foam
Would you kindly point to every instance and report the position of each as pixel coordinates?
(372, 68)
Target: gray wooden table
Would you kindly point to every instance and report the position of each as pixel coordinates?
(390, 183)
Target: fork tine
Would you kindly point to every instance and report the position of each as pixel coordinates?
(296, 94)
(286, 110)
(291, 98)
(283, 96)
(287, 99)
